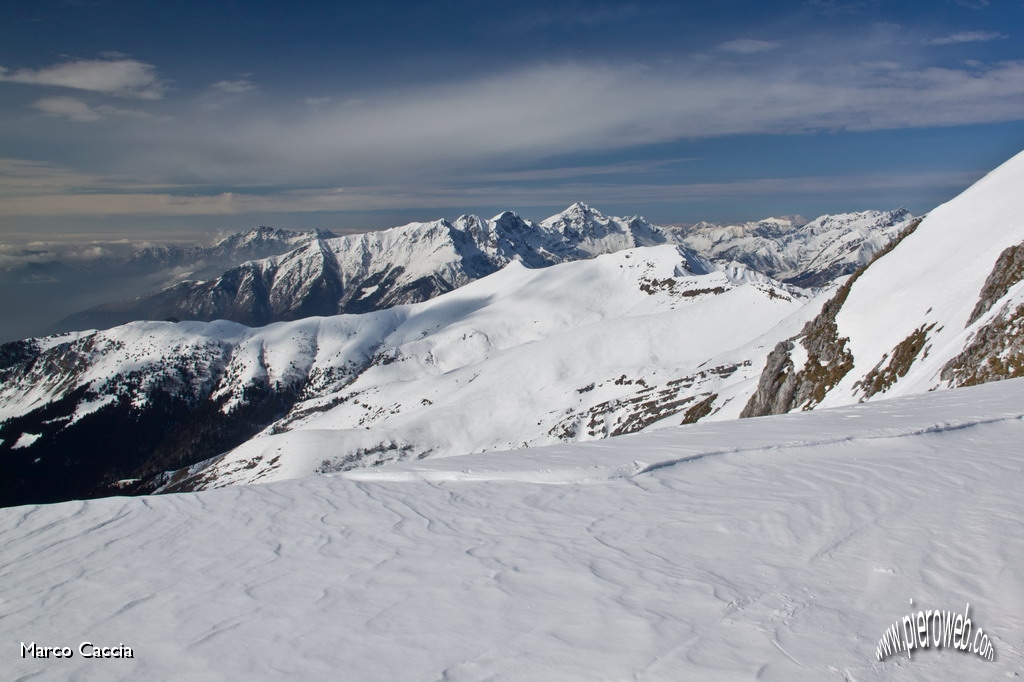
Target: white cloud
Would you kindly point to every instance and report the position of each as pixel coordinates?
(121, 77)
(68, 107)
(748, 46)
(967, 37)
(14, 255)
(77, 110)
(235, 87)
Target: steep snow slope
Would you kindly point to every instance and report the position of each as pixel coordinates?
(933, 281)
(780, 548)
(944, 307)
(809, 254)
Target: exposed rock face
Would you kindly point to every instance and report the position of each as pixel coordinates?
(1008, 270)
(784, 387)
(996, 350)
(896, 364)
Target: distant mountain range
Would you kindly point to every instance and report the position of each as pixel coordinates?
(807, 254)
(328, 275)
(477, 335)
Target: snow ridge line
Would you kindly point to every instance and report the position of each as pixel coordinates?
(934, 428)
(545, 473)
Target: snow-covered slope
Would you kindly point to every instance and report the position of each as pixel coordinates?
(808, 254)
(525, 357)
(944, 307)
(780, 548)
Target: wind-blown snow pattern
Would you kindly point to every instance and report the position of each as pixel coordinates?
(779, 548)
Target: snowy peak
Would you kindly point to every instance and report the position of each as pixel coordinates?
(263, 237)
(807, 254)
(585, 226)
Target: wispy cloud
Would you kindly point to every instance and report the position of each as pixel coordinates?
(748, 46)
(235, 87)
(967, 37)
(23, 177)
(13, 255)
(120, 77)
(68, 107)
(571, 108)
(425, 196)
(450, 137)
(76, 110)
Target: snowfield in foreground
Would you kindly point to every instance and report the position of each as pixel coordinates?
(775, 548)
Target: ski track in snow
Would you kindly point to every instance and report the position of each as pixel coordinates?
(784, 556)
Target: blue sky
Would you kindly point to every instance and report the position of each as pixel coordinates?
(159, 119)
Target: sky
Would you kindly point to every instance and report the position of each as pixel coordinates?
(156, 120)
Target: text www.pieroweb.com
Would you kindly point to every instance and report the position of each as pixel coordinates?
(938, 629)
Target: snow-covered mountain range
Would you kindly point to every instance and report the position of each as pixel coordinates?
(174, 262)
(780, 548)
(580, 327)
(808, 254)
(327, 275)
(577, 351)
(256, 243)
(46, 285)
